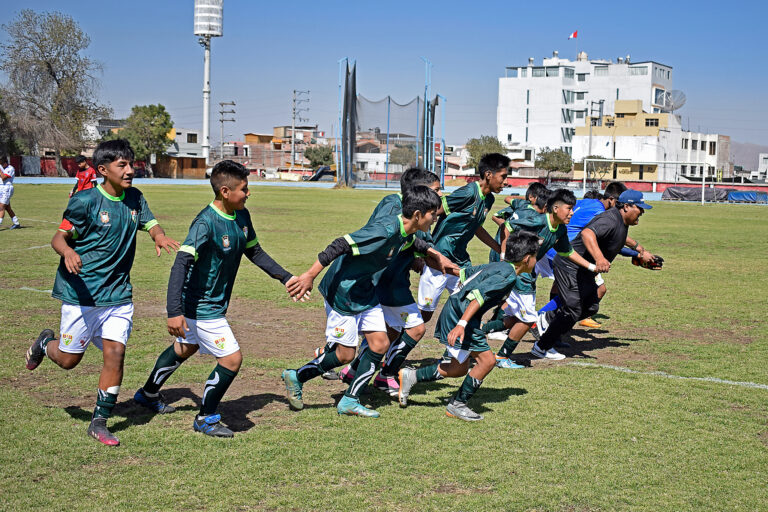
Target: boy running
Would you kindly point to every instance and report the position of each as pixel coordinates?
(97, 242)
(458, 326)
(7, 173)
(465, 211)
(351, 302)
(86, 176)
(535, 189)
(199, 290)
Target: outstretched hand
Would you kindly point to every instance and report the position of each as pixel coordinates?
(298, 292)
(167, 243)
(177, 326)
(456, 334)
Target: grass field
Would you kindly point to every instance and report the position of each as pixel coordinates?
(559, 436)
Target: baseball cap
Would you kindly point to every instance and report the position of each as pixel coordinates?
(634, 197)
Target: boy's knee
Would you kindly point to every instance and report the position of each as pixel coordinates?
(232, 362)
(345, 354)
(417, 332)
(68, 361)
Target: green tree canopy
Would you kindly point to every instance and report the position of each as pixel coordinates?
(319, 156)
(403, 155)
(147, 130)
(553, 161)
(481, 146)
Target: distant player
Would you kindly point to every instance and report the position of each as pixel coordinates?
(86, 176)
(458, 326)
(531, 194)
(7, 174)
(199, 290)
(97, 242)
(464, 212)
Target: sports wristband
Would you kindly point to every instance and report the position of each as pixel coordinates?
(592, 267)
(462, 323)
(637, 244)
(502, 256)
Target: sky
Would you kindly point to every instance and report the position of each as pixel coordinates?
(150, 55)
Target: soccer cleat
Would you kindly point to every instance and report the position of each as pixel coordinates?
(460, 410)
(99, 431)
(497, 336)
(293, 387)
(590, 324)
(347, 375)
(154, 404)
(330, 375)
(352, 407)
(505, 362)
(406, 378)
(211, 426)
(534, 330)
(15, 226)
(387, 384)
(541, 325)
(36, 352)
(550, 354)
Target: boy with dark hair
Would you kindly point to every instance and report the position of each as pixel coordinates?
(86, 176)
(7, 174)
(531, 201)
(464, 212)
(351, 302)
(97, 242)
(458, 326)
(199, 290)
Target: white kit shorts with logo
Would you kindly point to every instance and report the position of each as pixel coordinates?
(212, 336)
(343, 329)
(399, 317)
(6, 191)
(431, 286)
(81, 325)
(522, 306)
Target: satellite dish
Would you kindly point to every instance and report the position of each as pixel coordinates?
(672, 100)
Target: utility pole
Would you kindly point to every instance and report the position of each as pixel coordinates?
(592, 111)
(223, 120)
(296, 111)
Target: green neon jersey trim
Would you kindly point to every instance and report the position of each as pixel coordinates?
(402, 227)
(565, 254)
(549, 224)
(400, 196)
(446, 210)
(189, 250)
(480, 190)
(149, 225)
(475, 294)
(223, 214)
(462, 275)
(353, 245)
(253, 242)
(108, 195)
(509, 226)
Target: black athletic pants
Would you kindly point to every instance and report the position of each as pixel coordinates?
(578, 293)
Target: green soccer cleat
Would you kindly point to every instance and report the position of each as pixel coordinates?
(293, 389)
(352, 407)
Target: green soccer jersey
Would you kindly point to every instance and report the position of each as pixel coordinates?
(349, 285)
(505, 213)
(217, 241)
(551, 238)
(489, 285)
(465, 211)
(103, 231)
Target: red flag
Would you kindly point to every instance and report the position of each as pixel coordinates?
(573, 36)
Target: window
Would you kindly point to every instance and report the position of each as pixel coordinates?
(511, 72)
(581, 77)
(528, 154)
(638, 71)
(658, 96)
(712, 147)
(193, 163)
(617, 94)
(579, 114)
(523, 72)
(620, 115)
(694, 144)
(553, 71)
(568, 72)
(526, 115)
(526, 134)
(601, 70)
(537, 72)
(685, 143)
(701, 170)
(683, 169)
(652, 122)
(579, 95)
(528, 97)
(609, 123)
(509, 137)
(568, 97)
(191, 138)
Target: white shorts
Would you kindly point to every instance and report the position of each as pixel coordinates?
(457, 353)
(522, 306)
(543, 268)
(599, 280)
(431, 286)
(81, 325)
(212, 336)
(343, 329)
(6, 191)
(399, 317)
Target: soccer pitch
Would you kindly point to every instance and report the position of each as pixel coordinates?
(685, 429)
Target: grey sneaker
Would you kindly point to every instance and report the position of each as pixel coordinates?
(406, 379)
(461, 411)
(36, 352)
(330, 375)
(155, 404)
(99, 431)
(211, 426)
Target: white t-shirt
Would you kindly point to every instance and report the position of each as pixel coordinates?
(11, 172)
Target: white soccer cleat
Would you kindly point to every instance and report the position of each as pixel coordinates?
(551, 354)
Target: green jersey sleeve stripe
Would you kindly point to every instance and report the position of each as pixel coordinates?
(475, 294)
(565, 254)
(445, 205)
(149, 225)
(462, 275)
(509, 226)
(189, 250)
(353, 245)
(253, 242)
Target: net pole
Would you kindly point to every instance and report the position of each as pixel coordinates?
(386, 164)
(418, 110)
(442, 141)
(339, 162)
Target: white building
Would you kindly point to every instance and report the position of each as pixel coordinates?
(651, 147)
(186, 143)
(541, 105)
(762, 168)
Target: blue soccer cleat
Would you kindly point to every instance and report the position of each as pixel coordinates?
(505, 362)
(293, 389)
(352, 407)
(155, 404)
(211, 426)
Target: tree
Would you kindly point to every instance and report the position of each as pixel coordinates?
(481, 146)
(52, 86)
(403, 155)
(598, 170)
(147, 130)
(319, 156)
(553, 161)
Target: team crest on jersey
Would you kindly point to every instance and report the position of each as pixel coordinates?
(338, 332)
(133, 215)
(67, 339)
(427, 301)
(225, 241)
(104, 216)
(404, 316)
(245, 231)
(219, 343)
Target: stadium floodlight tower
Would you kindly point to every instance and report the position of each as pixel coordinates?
(209, 19)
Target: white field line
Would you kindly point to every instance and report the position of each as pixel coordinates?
(27, 288)
(38, 220)
(27, 248)
(670, 376)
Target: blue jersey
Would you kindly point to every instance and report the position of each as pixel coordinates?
(583, 212)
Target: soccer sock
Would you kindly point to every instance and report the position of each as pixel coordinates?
(370, 362)
(551, 305)
(467, 389)
(397, 354)
(217, 384)
(105, 402)
(356, 361)
(428, 373)
(15, 219)
(165, 365)
(493, 326)
(319, 365)
(508, 347)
